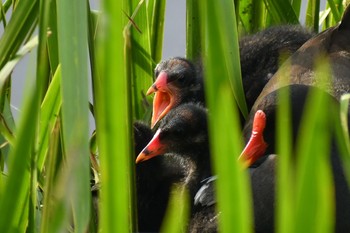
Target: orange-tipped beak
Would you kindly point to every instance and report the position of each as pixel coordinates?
(153, 148)
(163, 99)
(256, 145)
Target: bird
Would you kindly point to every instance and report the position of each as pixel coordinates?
(262, 53)
(263, 174)
(268, 105)
(331, 44)
(154, 180)
(300, 71)
(178, 80)
(179, 154)
(262, 180)
(183, 132)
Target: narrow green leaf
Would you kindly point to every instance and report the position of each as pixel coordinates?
(6, 131)
(315, 187)
(49, 112)
(225, 139)
(10, 65)
(72, 35)
(10, 123)
(334, 9)
(296, 4)
(50, 187)
(343, 134)
(177, 213)
(52, 40)
(193, 34)
(281, 12)
(113, 125)
(141, 66)
(221, 29)
(312, 14)
(4, 7)
(17, 187)
(20, 24)
(156, 16)
(285, 188)
(252, 15)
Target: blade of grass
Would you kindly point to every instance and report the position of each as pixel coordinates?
(177, 213)
(4, 7)
(52, 40)
(232, 183)
(335, 12)
(49, 187)
(246, 15)
(258, 19)
(281, 12)
(50, 108)
(10, 65)
(10, 123)
(315, 187)
(223, 31)
(17, 187)
(156, 16)
(312, 14)
(22, 20)
(342, 133)
(113, 121)
(72, 35)
(141, 55)
(285, 188)
(296, 4)
(193, 34)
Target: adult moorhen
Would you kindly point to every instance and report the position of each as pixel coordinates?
(333, 45)
(263, 176)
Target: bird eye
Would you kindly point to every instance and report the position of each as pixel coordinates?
(181, 80)
(156, 73)
(178, 132)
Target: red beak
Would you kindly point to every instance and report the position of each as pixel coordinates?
(154, 148)
(163, 99)
(256, 145)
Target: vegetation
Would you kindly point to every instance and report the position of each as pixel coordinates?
(48, 160)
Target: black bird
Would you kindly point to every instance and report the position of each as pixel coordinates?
(333, 45)
(182, 141)
(183, 133)
(154, 181)
(179, 81)
(263, 176)
(261, 55)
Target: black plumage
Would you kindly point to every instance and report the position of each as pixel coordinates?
(178, 80)
(185, 161)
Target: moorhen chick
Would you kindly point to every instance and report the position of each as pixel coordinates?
(180, 81)
(182, 141)
(155, 179)
(262, 179)
(183, 133)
